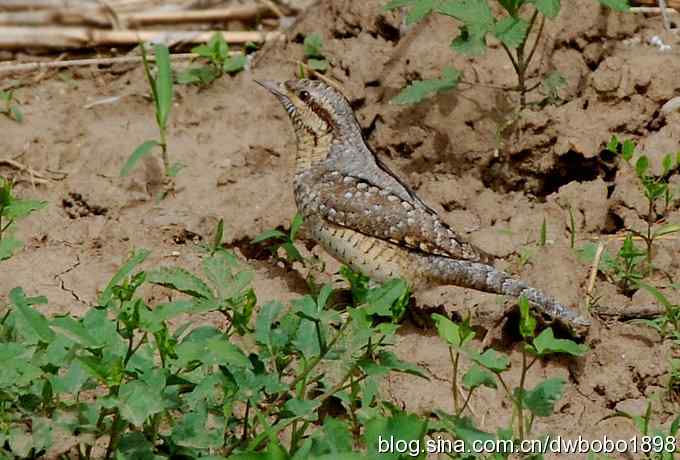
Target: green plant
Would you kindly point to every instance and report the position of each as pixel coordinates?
(313, 51)
(653, 442)
(122, 383)
(667, 324)
(11, 210)
(512, 30)
(655, 188)
(220, 61)
(276, 239)
(162, 93)
(487, 369)
(9, 108)
(624, 269)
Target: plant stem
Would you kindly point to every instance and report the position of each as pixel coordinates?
(520, 400)
(115, 432)
(649, 239)
(454, 377)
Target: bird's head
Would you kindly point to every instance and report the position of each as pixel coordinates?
(315, 108)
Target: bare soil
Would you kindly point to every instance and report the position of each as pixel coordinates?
(493, 175)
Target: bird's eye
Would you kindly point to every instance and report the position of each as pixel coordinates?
(304, 96)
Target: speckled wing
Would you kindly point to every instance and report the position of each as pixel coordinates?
(357, 204)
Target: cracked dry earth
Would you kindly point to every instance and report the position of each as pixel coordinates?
(494, 178)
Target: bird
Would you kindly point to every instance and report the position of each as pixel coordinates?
(366, 217)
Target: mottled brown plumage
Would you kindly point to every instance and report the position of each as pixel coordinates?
(364, 216)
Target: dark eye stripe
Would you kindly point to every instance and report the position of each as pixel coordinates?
(322, 113)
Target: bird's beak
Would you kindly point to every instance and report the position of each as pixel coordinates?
(274, 87)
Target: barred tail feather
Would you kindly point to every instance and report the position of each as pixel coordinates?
(486, 278)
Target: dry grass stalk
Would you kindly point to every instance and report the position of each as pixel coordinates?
(244, 12)
(81, 37)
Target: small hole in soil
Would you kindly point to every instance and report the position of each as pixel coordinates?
(299, 39)
(570, 167)
(612, 224)
(386, 30)
(358, 103)
(372, 84)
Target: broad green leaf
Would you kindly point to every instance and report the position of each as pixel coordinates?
(618, 5)
(667, 163)
(33, 317)
(302, 407)
(402, 426)
(181, 280)
(163, 84)
(8, 246)
(135, 446)
(318, 64)
(549, 8)
(394, 4)
(138, 401)
(140, 152)
(477, 376)
(263, 324)
(628, 149)
(381, 300)
(455, 335)
(21, 208)
(642, 165)
(476, 15)
(295, 225)
(74, 330)
(137, 258)
(546, 343)
(421, 89)
(541, 400)
(386, 362)
(420, 10)
(511, 6)
(235, 64)
(469, 44)
(464, 428)
(195, 430)
(312, 46)
(527, 323)
(491, 360)
(511, 31)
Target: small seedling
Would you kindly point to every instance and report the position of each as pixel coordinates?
(625, 269)
(313, 51)
(9, 108)
(276, 239)
(220, 61)
(656, 188)
(11, 210)
(667, 324)
(512, 29)
(487, 369)
(162, 93)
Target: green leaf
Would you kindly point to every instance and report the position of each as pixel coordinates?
(381, 300)
(475, 15)
(546, 343)
(527, 324)
(420, 10)
(16, 114)
(549, 8)
(312, 46)
(180, 280)
(75, 331)
(628, 149)
(642, 165)
(618, 5)
(613, 144)
(196, 430)
(541, 400)
(464, 428)
(491, 360)
(263, 324)
(234, 64)
(18, 209)
(137, 258)
(269, 235)
(295, 225)
(666, 230)
(476, 377)
(421, 89)
(667, 163)
(401, 426)
(32, 316)
(138, 401)
(455, 335)
(394, 4)
(8, 246)
(511, 31)
(318, 64)
(469, 44)
(302, 407)
(140, 152)
(658, 295)
(163, 84)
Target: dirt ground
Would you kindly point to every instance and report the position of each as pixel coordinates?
(493, 178)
